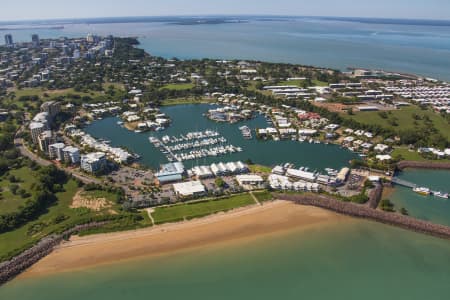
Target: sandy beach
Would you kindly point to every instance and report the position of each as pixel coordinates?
(242, 224)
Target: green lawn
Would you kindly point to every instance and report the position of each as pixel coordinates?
(411, 155)
(11, 202)
(404, 118)
(263, 196)
(45, 224)
(56, 218)
(192, 210)
(179, 101)
(292, 82)
(259, 169)
(54, 93)
(178, 86)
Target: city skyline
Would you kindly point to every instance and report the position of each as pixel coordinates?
(51, 9)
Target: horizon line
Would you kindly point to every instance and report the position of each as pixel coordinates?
(223, 15)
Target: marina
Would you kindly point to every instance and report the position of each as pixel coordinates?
(189, 119)
(205, 144)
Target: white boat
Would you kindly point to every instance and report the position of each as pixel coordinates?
(441, 195)
(422, 191)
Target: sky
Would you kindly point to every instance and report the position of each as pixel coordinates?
(57, 9)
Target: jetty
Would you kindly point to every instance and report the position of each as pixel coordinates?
(415, 187)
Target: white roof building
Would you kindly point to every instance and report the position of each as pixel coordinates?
(190, 188)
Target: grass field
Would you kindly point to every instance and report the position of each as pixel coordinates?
(44, 225)
(192, 210)
(178, 86)
(404, 118)
(11, 202)
(411, 155)
(263, 196)
(97, 194)
(57, 216)
(260, 169)
(301, 82)
(186, 101)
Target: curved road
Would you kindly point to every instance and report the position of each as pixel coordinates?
(24, 151)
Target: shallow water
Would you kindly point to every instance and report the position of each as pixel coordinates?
(346, 260)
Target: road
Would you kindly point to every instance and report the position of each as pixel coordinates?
(24, 151)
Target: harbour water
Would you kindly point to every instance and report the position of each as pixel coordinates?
(416, 48)
(348, 260)
(429, 208)
(190, 117)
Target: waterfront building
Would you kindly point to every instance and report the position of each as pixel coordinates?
(342, 175)
(55, 151)
(250, 181)
(301, 175)
(189, 189)
(9, 40)
(93, 162)
(44, 140)
(36, 128)
(71, 154)
(170, 172)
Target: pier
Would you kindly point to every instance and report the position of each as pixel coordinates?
(404, 183)
(411, 185)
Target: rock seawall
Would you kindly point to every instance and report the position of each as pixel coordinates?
(15, 266)
(365, 212)
(423, 165)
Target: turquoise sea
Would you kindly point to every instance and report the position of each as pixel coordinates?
(415, 48)
(345, 260)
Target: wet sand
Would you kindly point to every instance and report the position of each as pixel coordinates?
(235, 226)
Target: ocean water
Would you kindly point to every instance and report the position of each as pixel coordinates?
(190, 117)
(347, 260)
(415, 48)
(428, 208)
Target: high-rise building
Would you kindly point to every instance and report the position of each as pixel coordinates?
(51, 107)
(55, 151)
(36, 129)
(35, 40)
(9, 40)
(45, 138)
(71, 155)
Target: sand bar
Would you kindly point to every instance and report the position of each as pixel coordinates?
(250, 222)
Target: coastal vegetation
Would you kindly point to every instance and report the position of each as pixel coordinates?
(263, 196)
(197, 209)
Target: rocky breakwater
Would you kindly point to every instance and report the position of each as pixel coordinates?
(365, 212)
(423, 165)
(15, 266)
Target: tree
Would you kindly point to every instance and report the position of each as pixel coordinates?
(220, 182)
(387, 205)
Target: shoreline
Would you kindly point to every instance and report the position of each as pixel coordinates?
(221, 229)
(410, 164)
